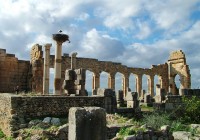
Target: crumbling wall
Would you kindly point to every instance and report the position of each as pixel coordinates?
(5, 113)
(16, 110)
(178, 66)
(13, 72)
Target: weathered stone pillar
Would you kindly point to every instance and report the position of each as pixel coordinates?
(111, 81)
(151, 85)
(125, 84)
(88, 123)
(46, 69)
(59, 38)
(95, 83)
(73, 60)
(139, 84)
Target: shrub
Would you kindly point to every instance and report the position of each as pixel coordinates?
(191, 110)
(125, 131)
(178, 126)
(156, 120)
(2, 135)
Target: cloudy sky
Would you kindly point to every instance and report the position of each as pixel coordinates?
(137, 33)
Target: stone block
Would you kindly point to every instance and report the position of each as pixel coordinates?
(88, 123)
(147, 98)
(79, 82)
(181, 135)
(120, 95)
(105, 92)
(132, 96)
(120, 98)
(70, 74)
(82, 92)
(169, 106)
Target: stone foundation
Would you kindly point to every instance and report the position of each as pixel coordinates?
(17, 111)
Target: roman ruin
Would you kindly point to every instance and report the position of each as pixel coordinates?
(31, 75)
(70, 76)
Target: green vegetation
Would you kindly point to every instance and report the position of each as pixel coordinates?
(146, 108)
(178, 126)
(1, 134)
(191, 112)
(156, 120)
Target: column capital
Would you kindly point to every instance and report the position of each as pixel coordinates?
(47, 46)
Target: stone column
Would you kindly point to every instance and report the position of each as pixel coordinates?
(46, 69)
(95, 82)
(111, 81)
(139, 84)
(73, 60)
(59, 38)
(125, 84)
(151, 85)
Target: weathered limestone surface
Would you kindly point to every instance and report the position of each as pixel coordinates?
(110, 99)
(132, 100)
(5, 113)
(13, 72)
(88, 123)
(17, 110)
(74, 82)
(60, 39)
(46, 69)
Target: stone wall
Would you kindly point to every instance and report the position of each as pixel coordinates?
(17, 110)
(13, 72)
(5, 113)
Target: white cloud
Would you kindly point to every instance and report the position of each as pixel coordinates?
(144, 30)
(118, 14)
(171, 14)
(100, 46)
(134, 32)
(83, 16)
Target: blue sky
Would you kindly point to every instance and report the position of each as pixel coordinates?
(137, 33)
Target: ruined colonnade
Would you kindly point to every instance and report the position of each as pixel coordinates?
(165, 72)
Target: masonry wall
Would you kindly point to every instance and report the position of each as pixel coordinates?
(13, 72)
(16, 111)
(5, 113)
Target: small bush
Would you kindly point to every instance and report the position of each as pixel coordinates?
(2, 135)
(191, 110)
(125, 131)
(156, 120)
(178, 126)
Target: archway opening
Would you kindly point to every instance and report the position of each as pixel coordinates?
(88, 82)
(132, 82)
(104, 79)
(177, 81)
(118, 81)
(145, 83)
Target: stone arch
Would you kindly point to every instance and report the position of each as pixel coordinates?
(178, 66)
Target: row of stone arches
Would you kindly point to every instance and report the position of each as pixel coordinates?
(104, 76)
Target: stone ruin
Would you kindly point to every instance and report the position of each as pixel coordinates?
(70, 74)
(34, 75)
(74, 83)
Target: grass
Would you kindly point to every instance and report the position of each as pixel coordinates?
(146, 108)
